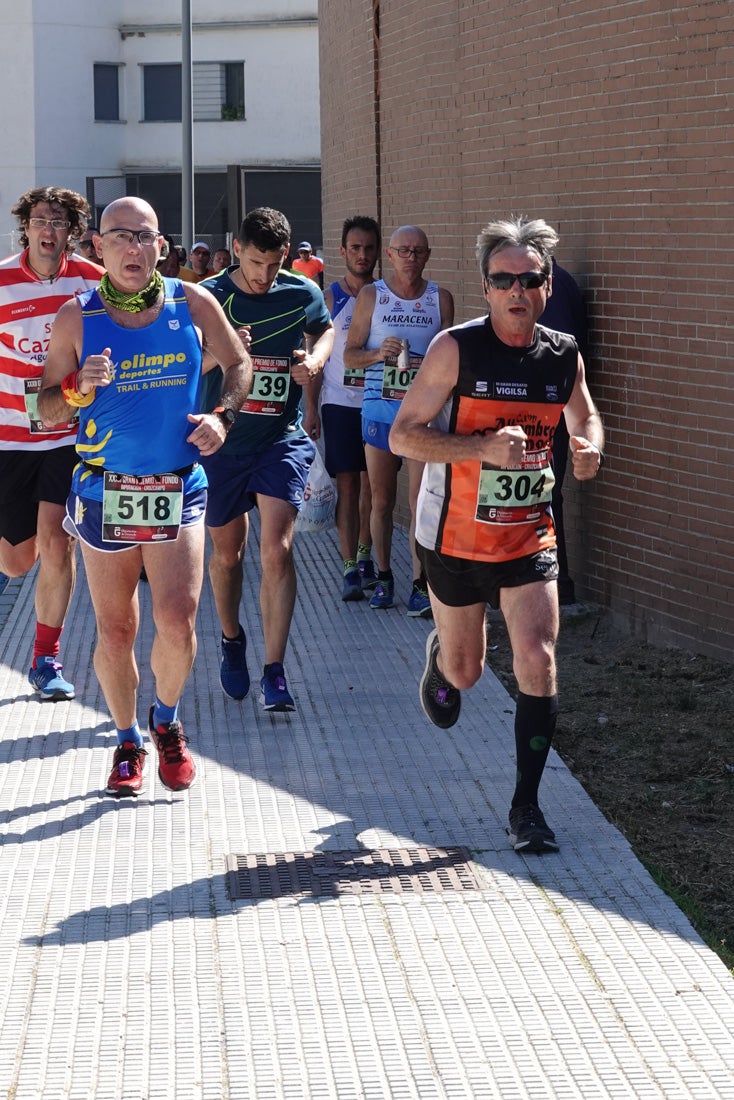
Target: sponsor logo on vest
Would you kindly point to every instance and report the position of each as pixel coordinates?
(384, 299)
(139, 360)
(407, 319)
(174, 324)
(511, 389)
(551, 393)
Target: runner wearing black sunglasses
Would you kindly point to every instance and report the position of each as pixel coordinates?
(482, 412)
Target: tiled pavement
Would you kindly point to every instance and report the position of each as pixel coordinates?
(128, 969)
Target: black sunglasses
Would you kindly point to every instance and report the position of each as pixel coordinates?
(528, 280)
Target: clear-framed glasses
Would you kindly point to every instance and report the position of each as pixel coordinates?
(144, 237)
(403, 252)
(55, 223)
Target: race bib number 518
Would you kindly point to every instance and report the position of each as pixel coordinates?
(141, 509)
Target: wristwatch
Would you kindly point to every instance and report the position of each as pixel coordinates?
(227, 416)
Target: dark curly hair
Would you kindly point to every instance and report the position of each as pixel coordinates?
(268, 229)
(75, 205)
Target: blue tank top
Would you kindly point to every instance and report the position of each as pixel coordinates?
(138, 424)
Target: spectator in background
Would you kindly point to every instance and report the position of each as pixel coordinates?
(169, 264)
(199, 258)
(222, 260)
(86, 245)
(309, 265)
(565, 311)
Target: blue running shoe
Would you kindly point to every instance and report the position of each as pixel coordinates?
(352, 587)
(382, 597)
(47, 681)
(233, 674)
(367, 574)
(419, 605)
(274, 694)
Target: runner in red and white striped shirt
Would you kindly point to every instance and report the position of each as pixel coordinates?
(36, 461)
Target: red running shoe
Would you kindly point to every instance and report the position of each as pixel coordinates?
(126, 777)
(176, 766)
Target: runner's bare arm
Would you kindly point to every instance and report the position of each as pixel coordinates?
(446, 307)
(585, 429)
(356, 356)
(432, 386)
(62, 361)
(225, 348)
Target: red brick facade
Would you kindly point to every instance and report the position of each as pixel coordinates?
(614, 123)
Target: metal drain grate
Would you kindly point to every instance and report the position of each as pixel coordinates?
(379, 871)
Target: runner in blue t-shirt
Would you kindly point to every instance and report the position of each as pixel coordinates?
(268, 453)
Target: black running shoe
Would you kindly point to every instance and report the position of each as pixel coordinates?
(440, 700)
(529, 831)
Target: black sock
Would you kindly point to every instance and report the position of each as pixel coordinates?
(384, 575)
(535, 724)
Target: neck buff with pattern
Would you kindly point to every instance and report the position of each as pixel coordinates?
(132, 303)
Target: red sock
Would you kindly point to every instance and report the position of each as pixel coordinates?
(47, 641)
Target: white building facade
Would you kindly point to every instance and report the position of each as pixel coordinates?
(98, 95)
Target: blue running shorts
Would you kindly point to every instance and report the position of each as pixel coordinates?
(281, 471)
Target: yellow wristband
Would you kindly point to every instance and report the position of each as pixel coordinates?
(72, 396)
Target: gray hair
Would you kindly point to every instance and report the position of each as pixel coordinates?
(517, 232)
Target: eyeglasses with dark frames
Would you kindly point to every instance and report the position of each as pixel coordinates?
(505, 280)
(403, 251)
(145, 237)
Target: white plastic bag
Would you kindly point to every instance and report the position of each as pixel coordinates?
(319, 499)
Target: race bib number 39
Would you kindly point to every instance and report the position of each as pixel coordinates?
(270, 385)
(515, 496)
(141, 509)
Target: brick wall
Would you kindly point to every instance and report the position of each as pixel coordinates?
(613, 122)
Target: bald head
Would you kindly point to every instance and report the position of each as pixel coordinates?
(126, 210)
(410, 235)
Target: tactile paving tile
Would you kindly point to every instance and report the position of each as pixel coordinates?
(130, 972)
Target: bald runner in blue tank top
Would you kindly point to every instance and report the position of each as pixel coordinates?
(137, 424)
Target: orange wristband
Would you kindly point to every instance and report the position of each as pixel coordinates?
(72, 396)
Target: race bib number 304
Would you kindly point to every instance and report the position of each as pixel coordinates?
(515, 496)
(141, 509)
(270, 385)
